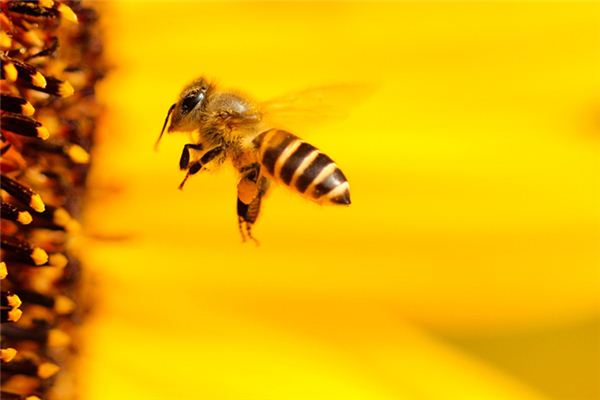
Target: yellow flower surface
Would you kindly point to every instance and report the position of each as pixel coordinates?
(467, 266)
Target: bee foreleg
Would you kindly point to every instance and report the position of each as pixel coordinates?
(185, 154)
(196, 166)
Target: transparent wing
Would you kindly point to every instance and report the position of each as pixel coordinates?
(314, 106)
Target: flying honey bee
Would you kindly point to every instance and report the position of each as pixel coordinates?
(227, 125)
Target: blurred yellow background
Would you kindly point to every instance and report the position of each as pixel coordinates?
(468, 265)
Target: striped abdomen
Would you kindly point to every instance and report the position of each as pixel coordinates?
(302, 167)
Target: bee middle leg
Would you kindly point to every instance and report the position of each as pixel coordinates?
(196, 166)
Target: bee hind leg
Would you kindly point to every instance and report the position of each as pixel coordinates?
(248, 213)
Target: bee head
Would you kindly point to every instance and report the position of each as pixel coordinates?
(189, 107)
(188, 110)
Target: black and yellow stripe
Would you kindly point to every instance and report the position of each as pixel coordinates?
(27, 74)
(16, 105)
(22, 193)
(11, 212)
(23, 126)
(302, 167)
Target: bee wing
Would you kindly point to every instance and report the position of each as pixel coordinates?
(315, 106)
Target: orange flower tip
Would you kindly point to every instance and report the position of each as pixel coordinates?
(27, 109)
(78, 155)
(58, 338)
(42, 132)
(58, 260)
(68, 14)
(73, 226)
(10, 72)
(14, 315)
(64, 305)
(32, 398)
(65, 89)
(8, 354)
(39, 256)
(47, 369)
(38, 80)
(14, 300)
(3, 270)
(24, 217)
(33, 38)
(36, 203)
(46, 3)
(5, 40)
(61, 217)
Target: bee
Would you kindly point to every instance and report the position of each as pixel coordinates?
(229, 126)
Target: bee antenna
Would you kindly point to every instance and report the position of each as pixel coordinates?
(164, 126)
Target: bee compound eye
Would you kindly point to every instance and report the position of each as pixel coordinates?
(190, 101)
